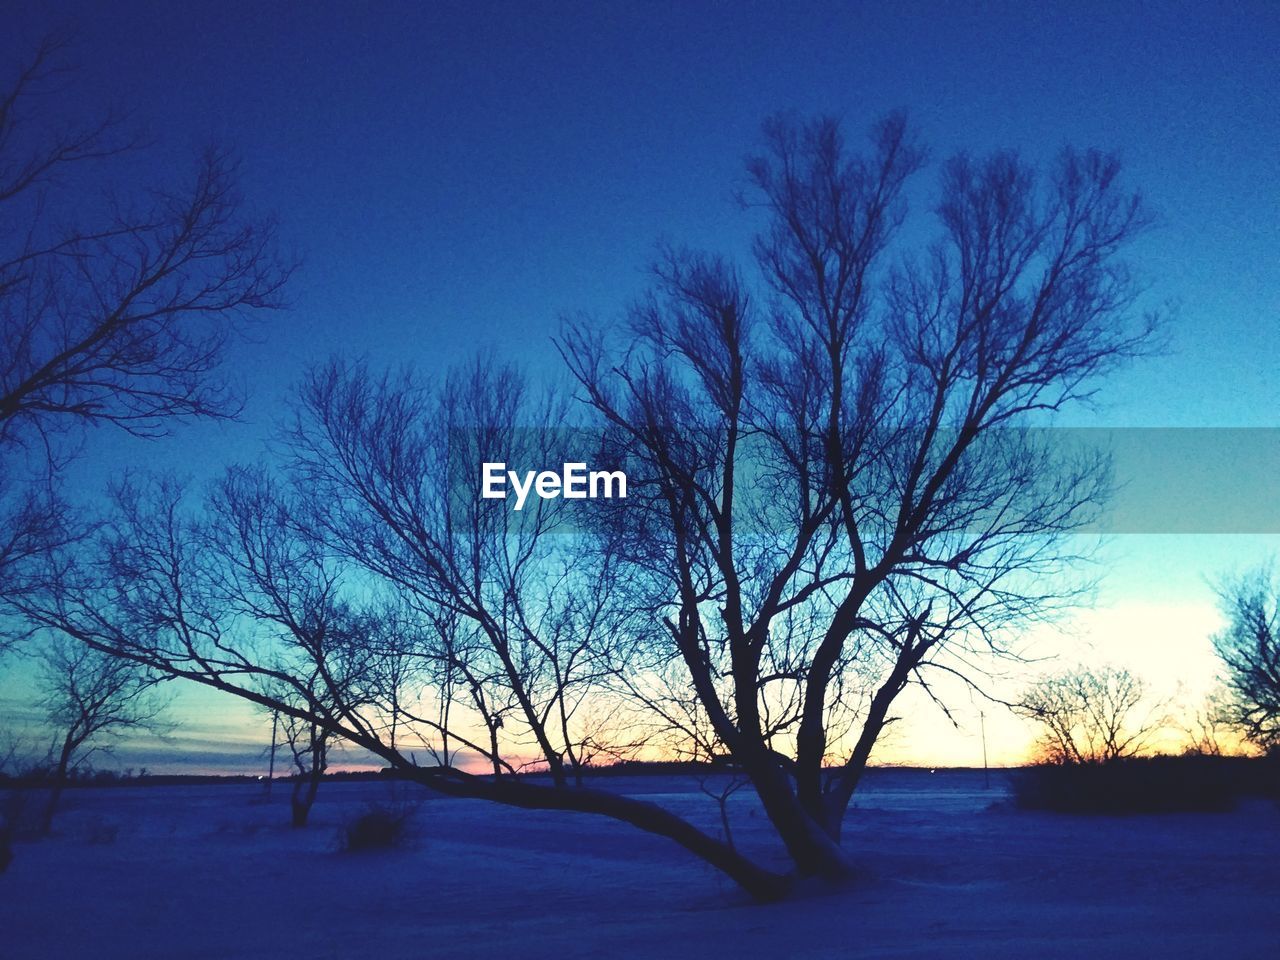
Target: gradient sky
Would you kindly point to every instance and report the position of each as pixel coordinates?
(463, 174)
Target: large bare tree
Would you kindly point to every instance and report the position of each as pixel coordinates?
(830, 451)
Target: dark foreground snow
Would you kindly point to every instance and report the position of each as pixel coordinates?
(950, 871)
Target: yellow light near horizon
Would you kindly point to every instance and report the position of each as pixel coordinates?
(1166, 644)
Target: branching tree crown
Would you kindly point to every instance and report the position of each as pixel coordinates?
(122, 320)
(114, 313)
(89, 696)
(1250, 649)
(1092, 715)
(829, 461)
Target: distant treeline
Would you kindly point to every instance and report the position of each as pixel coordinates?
(623, 768)
(113, 778)
(1161, 784)
(1191, 782)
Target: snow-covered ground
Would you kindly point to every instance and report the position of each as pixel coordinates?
(951, 870)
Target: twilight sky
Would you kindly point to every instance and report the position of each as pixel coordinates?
(456, 175)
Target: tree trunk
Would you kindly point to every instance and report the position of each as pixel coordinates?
(59, 781)
(762, 885)
(307, 782)
(836, 800)
(302, 798)
(815, 852)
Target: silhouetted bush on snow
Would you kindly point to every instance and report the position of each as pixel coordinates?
(1162, 784)
(379, 827)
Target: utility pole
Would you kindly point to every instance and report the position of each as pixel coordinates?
(271, 767)
(986, 773)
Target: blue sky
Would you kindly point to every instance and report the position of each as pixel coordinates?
(464, 174)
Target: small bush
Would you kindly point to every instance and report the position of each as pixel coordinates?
(1141, 785)
(98, 832)
(380, 827)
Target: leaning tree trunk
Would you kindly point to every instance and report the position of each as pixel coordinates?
(762, 884)
(59, 781)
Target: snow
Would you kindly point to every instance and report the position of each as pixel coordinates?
(950, 869)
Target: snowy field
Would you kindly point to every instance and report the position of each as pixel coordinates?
(950, 870)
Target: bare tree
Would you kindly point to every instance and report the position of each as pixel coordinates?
(828, 498)
(262, 566)
(309, 744)
(1208, 725)
(1092, 715)
(1250, 648)
(518, 629)
(111, 312)
(721, 789)
(834, 495)
(89, 695)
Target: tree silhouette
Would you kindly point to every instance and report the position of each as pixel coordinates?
(88, 695)
(1091, 715)
(829, 463)
(112, 313)
(1250, 648)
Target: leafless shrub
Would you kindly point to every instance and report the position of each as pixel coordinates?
(1092, 715)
